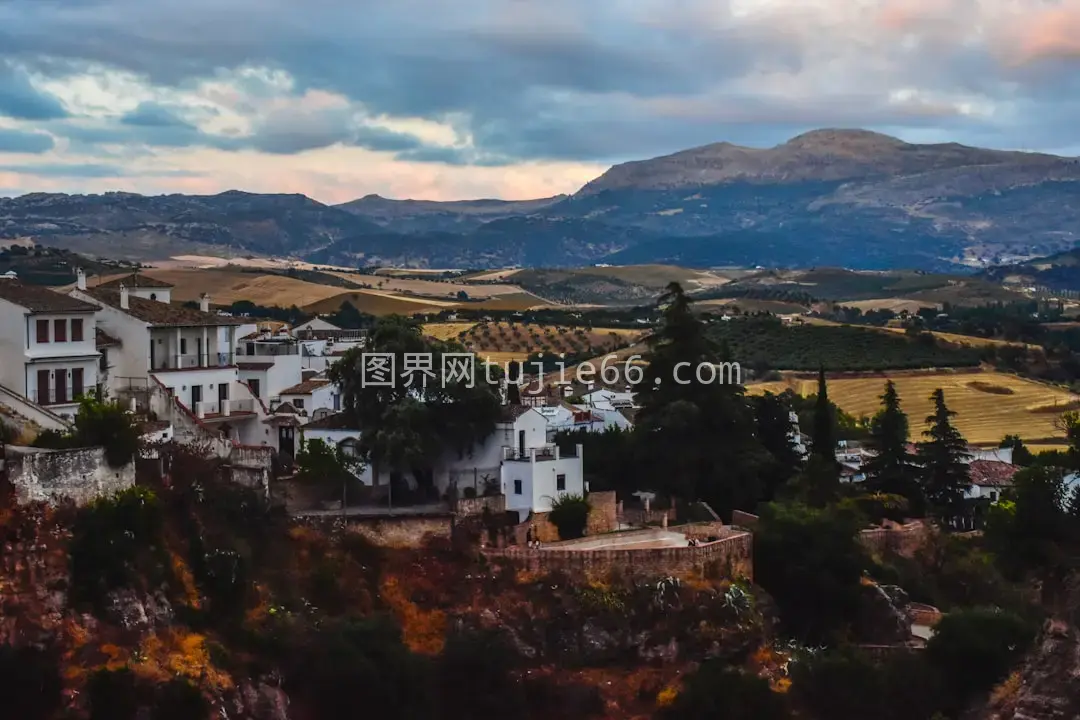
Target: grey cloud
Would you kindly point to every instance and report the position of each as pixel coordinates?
(153, 115)
(90, 170)
(565, 81)
(17, 141)
(19, 99)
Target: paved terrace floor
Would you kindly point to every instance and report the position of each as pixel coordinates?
(629, 541)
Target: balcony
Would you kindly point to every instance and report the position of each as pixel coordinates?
(211, 410)
(539, 454)
(59, 396)
(265, 349)
(192, 362)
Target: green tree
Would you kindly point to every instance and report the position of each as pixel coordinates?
(408, 425)
(973, 650)
(774, 429)
(943, 471)
(694, 439)
(891, 469)
(1021, 455)
(811, 562)
(570, 514)
(327, 466)
(1030, 531)
(822, 434)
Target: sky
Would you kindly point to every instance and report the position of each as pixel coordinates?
(510, 99)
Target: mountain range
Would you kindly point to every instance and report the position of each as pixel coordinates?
(850, 198)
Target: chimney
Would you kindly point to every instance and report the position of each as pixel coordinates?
(123, 297)
(204, 302)
(80, 279)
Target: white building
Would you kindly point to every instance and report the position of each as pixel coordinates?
(516, 458)
(178, 363)
(311, 395)
(48, 348)
(138, 285)
(269, 363)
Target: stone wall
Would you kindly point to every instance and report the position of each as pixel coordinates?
(729, 557)
(901, 539)
(603, 513)
(80, 475)
(465, 507)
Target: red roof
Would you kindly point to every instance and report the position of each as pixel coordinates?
(991, 473)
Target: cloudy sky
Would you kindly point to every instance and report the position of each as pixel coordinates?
(501, 98)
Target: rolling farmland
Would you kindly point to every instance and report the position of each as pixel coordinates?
(989, 405)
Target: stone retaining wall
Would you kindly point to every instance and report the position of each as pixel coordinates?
(730, 557)
(80, 475)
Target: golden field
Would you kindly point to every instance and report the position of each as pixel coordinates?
(446, 330)
(512, 341)
(434, 288)
(989, 405)
(377, 302)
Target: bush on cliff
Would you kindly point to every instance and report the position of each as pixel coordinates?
(810, 561)
(570, 514)
(115, 542)
(721, 692)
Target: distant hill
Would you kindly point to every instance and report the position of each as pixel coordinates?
(52, 266)
(1060, 271)
(849, 198)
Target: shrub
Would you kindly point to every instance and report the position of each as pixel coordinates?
(110, 538)
(719, 692)
(974, 649)
(570, 514)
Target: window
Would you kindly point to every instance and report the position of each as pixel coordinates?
(60, 330)
(76, 330)
(993, 496)
(560, 482)
(183, 346)
(253, 383)
(153, 296)
(298, 403)
(43, 331)
(517, 487)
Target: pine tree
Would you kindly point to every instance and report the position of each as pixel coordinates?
(891, 470)
(943, 472)
(822, 436)
(695, 440)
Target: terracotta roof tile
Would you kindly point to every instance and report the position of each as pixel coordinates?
(337, 421)
(40, 299)
(135, 280)
(159, 313)
(991, 473)
(307, 387)
(510, 413)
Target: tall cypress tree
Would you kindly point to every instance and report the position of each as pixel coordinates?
(694, 439)
(891, 470)
(943, 472)
(822, 435)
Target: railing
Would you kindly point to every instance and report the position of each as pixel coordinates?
(223, 408)
(66, 396)
(193, 362)
(544, 452)
(268, 350)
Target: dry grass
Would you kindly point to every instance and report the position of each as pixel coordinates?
(659, 276)
(377, 303)
(897, 305)
(947, 337)
(983, 417)
(491, 276)
(447, 330)
(750, 305)
(227, 286)
(432, 288)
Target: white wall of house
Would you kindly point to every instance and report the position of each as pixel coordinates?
(182, 382)
(13, 344)
(152, 293)
(992, 493)
(132, 359)
(178, 348)
(66, 347)
(320, 397)
(60, 383)
(535, 484)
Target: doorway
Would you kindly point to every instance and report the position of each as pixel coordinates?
(196, 397)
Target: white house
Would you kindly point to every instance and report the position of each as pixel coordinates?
(310, 395)
(138, 285)
(989, 478)
(269, 363)
(184, 353)
(516, 458)
(48, 346)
